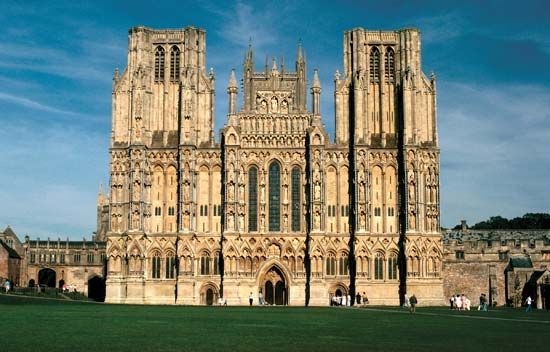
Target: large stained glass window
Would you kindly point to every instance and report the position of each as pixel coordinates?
(274, 197)
(296, 199)
(252, 199)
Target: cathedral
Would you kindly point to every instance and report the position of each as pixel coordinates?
(275, 207)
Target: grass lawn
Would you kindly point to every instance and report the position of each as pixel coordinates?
(32, 324)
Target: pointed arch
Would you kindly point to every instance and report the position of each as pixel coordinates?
(159, 64)
(174, 64)
(374, 64)
(389, 64)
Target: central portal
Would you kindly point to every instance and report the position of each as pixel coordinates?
(275, 287)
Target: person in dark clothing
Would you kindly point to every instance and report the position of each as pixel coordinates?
(413, 301)
(358, 298)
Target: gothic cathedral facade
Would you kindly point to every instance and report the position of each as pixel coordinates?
(275, 207)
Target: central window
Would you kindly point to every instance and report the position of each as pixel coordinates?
(296, 199)
(252, 199)
(274, 197)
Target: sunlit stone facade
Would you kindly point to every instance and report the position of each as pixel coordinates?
(275, 206)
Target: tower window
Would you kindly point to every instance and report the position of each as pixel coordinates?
(159, 64)
(174, 64)
(374, 64)
(389, 65)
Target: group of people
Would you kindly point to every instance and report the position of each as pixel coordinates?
(345, 300)
(68, 288)
(460, 302)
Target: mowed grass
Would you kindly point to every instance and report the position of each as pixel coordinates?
(29, 324)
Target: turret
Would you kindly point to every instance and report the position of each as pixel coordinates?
(315, 94)
(232, 92)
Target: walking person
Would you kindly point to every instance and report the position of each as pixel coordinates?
(358, 299)
(528, 301)
(413, 302)
(8, 286)
(260, 298)
(251, 299)
(406, 302)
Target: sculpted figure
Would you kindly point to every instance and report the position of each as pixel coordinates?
(274, 105)
(317, 191)
(241, 222)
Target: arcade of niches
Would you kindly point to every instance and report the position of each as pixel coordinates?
(275, 206)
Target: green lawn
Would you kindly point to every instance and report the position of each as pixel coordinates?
(30, 324)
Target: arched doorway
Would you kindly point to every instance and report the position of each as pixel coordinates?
(275, 287)
(96, 289)
(336, 293)
(61, 283)
(209, 297)
(209, 294)
(46, 277)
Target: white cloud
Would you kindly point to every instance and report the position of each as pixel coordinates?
(33, 104)
(494, 142)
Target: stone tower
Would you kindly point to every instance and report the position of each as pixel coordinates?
(386, 112)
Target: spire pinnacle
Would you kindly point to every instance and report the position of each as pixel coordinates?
(232, 79)
(316, 83)
(300, 56)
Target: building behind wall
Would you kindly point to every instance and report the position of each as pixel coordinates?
(269, 208)
(506, 265)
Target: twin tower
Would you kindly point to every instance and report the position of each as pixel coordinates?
(276, 207)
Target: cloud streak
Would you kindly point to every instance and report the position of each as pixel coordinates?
(28, 103)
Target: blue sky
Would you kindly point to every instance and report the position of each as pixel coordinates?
(491, 58)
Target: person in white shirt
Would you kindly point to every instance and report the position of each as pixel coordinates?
(528, 301)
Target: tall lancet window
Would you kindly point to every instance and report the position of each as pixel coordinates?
(274, 197)
(159, 64)
(296, 199)
(175, 64)
(253, 199)
(389, 64)
(374, 64)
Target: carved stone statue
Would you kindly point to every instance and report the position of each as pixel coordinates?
(230, 192)
(284, 107)
(317, 191)
(241, 222)
(317, 221)
(186, 194)
(274, 105)
(263, 107)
